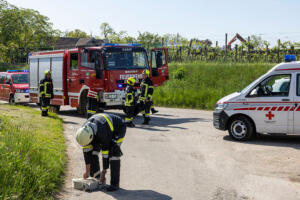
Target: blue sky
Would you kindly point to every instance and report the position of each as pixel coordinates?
(271, 19)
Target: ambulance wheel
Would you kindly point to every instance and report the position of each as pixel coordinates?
(241, 128)
(11, 100)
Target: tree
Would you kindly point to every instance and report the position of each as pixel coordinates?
(149, 40)
(23, 30)
(77, 33)
(106, 30)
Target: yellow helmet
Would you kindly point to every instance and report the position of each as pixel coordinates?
(47, 72)
(130, 81)
(147, 72)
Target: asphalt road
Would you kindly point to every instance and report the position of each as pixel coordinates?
(181, 156)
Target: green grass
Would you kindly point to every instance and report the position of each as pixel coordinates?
(32, 153)
(201, 84)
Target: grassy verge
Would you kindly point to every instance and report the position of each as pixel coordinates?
(32, 153)
(200, 84)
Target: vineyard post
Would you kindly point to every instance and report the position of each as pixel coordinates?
(267, 52)
(216, 50)
(236, 52)
(249, 56)
(225, 46)
(278, 51)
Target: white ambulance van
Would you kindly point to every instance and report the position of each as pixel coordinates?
(271, 104)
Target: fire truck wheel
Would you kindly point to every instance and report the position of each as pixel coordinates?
(82, 109)
(241, 128)
(11, 100)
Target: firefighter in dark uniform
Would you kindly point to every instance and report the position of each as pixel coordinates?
(130, 102)
(92, 98)
(46, 92)
(146, 95)
(105, 133)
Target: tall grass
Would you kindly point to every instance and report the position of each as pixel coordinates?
(32, 154)
(200, 84)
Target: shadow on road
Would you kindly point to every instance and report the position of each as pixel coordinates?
(271, 140)
(123, 194)
(157, 121)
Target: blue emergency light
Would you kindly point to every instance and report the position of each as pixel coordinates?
(17, 70)
(116, 45)
(289, 58)
(120, 85)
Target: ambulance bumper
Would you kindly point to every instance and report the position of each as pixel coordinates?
(220, 120)
(21, 97)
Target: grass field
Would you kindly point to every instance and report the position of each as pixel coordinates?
(200, 85)
(32, 153)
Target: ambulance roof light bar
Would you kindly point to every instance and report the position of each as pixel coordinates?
(121, 45)
(17, 70)
(289, 58)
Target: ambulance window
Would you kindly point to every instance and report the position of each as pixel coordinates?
(74, 61)
(277, 85)
(298, 85)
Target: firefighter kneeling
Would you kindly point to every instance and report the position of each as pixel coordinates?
(103, 132)
(46, 92)
(130, 102)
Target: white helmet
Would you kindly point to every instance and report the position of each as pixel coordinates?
(84, 135)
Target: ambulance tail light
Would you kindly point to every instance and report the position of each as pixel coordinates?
(289, 58)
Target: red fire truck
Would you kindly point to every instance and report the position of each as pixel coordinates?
(104, 69)
(14, 86)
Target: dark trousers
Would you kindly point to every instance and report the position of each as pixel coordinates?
(146, 108)
(130, 111)
(45, 105)
(95, 166)
(92, 106)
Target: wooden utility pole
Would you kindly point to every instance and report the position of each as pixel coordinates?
(225, 46)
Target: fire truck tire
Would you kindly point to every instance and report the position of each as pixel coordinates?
(241, 128)
(54, 108)
(83, 104)
(12, 99)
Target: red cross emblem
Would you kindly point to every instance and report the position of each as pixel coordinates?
(270, 115)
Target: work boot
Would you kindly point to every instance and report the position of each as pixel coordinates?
(146, 120)
(130, 124)
(154, 111)
(115, 166)
(44, 114)
(112, 188)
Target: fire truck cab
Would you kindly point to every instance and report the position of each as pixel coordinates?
(14, 86)
(103, 69)
(271, 104)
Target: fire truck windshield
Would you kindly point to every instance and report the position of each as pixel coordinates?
(125, 58)
(20, 78)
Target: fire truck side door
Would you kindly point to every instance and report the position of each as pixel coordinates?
(73, 74)
(159, 66)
